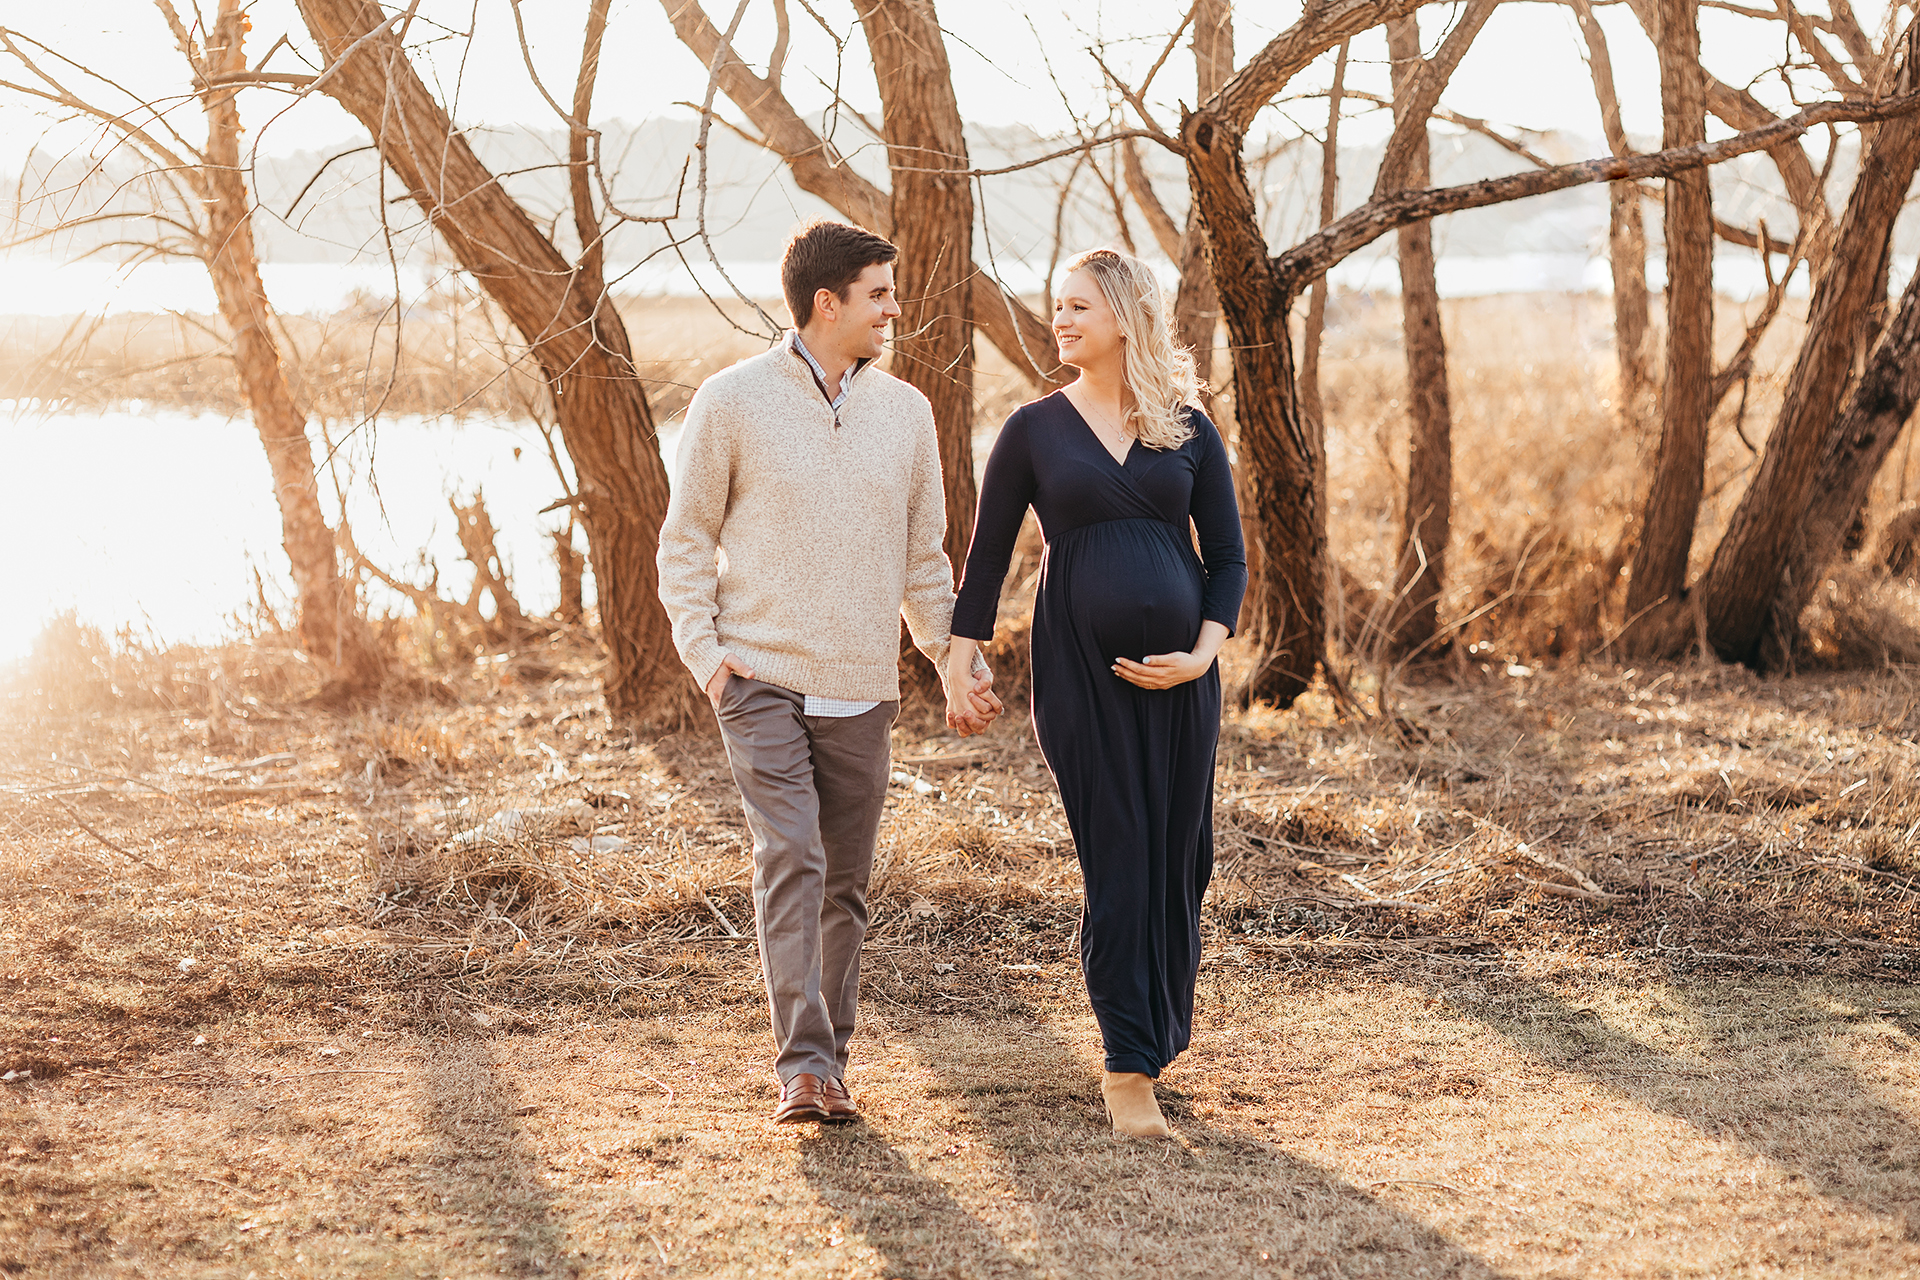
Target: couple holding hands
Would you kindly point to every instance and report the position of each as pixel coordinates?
(807, 518)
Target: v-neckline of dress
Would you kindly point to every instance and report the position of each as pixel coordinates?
(1132, 441)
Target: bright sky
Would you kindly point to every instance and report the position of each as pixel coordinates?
(1525, 69)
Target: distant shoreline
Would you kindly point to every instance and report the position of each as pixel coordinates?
(40, 288)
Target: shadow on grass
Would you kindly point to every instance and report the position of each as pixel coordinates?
(484, 1173)
(1759, 1080)
(909, 1217)
(1077, 1202)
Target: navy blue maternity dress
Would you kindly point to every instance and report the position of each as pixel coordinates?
(1134, 766)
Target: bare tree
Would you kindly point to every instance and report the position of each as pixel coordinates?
(207, 200)
(1680, 468)
(1284, 453)
(1196, 304)
(1626, 236)
(1877, 409)
(1427, 520)
(819, 169)
(1310, 338)
(561, 310)
(1737, 590)
(931, 209)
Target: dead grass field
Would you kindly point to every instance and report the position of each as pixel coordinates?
(1554, 968)
(1608, 975)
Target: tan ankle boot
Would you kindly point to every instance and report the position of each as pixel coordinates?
(1131, 1105)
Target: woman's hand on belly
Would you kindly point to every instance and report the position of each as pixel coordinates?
(1165, 670)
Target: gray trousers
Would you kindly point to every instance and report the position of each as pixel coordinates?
(813, 787)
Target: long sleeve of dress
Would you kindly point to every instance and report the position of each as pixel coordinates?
(1216, 519)
(1005, 492)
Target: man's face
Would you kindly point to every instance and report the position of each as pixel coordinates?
(859, 328)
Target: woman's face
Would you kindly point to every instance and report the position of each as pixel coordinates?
(1084, 326)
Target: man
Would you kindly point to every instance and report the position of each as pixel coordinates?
(806, 520)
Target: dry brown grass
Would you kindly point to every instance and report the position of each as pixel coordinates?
(424, 1056)
(1547, 477)
(1558, 968)
(451, 354)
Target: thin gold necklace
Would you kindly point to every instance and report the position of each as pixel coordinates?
(1099, 427)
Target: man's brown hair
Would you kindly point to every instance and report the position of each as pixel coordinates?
(824, 254)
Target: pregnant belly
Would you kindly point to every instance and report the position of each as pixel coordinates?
(1132, 588)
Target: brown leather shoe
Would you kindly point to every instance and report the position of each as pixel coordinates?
(802, 1098)
(840, 1108)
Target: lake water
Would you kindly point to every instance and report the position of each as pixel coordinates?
(157, 520)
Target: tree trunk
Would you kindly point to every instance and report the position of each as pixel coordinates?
(1283, 455)
(1876, 411)
(1310, 402)
(580, 344)
(572, 567)
(1739, 109)
(1673, 502)
(330, 629)
(932, 216)
(1626, 238)
(1196, 303)
(1744, 577)
(1427, 520)
(1021, 335)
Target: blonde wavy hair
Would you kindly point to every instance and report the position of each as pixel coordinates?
(1159, 374)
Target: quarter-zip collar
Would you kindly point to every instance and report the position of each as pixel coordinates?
(834, 401)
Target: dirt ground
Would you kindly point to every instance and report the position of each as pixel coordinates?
(1589, 972)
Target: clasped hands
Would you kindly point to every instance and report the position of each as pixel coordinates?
(972, 704)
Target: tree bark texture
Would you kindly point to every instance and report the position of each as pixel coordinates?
(1311, 403)
(1739, 109)
(1626, 237)
(1015, 329)
(581, 346)
(1283, 455)
(330, 629)
(1286, 459)
(1679, 470)
(1298, 266)
(1196, 303)
(1427, 520)
(1876, 411)
(1741, 581)
(932, 214)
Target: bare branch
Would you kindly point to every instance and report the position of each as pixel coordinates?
(1319, 29)
(817, 168)
(1429, 82)
(1140, 187)
(721, 54)
(1154, 130)
(317, 173)
(1173, 42)
(1079, 148)
(1472, 124)
(1314, 256)
(573, 119)
(586, 223)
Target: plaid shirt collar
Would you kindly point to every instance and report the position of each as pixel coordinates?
(834, 402)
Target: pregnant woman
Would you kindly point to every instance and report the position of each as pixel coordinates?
(1126, 693)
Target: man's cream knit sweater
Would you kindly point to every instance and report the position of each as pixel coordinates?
(795, 541)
